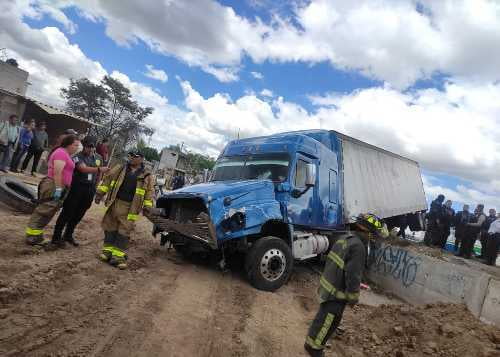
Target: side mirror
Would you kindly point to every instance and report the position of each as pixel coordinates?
(310, 175)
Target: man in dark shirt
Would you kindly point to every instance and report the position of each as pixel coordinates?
(445, 224)
(434, 217)
(39, 144)
(88, 168)
(461, 220)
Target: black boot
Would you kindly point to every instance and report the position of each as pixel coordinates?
(68, 235)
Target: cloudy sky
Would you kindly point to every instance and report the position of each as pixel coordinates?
(420, 78)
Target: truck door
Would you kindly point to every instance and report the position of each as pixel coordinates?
(300, 210)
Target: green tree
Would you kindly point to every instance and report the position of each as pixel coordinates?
(86, 99)
(110, 104)
(150, 153)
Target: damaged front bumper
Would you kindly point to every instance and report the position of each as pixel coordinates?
(198, 228)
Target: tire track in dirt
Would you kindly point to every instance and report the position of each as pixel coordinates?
(233, 301)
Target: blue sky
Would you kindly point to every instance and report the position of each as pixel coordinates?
(421, 80)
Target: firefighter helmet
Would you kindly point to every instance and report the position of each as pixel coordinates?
(373, 224)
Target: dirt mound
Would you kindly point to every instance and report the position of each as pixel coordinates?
(428, 330)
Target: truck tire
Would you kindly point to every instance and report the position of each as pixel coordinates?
(17, 195)
(269, 263)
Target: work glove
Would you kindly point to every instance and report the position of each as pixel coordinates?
(58, 193)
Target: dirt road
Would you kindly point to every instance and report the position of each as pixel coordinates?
(67, 303)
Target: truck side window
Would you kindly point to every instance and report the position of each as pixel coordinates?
(333, 186)
(300, 173)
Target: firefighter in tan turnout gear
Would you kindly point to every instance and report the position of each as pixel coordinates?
(341, 279)
(129, 190)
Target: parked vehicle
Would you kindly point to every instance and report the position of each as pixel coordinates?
(286, 197)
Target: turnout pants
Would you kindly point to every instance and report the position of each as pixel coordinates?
(117, 229)
(44, 212)
(324, 324)
(75, 206)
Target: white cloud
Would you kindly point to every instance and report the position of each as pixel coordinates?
(155, 73)
(46, 53)
(460, 194)
(266, 93)
(394, 41)
(257, 75)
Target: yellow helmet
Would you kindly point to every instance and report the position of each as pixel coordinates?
(373, 224)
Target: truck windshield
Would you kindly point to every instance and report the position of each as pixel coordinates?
(252, 167)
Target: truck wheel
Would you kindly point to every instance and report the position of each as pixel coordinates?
(269, 263)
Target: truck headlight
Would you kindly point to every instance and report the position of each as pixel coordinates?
(234, 223)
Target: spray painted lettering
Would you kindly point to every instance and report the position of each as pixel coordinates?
(397, 262)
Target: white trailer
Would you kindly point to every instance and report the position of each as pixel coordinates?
(379, 181)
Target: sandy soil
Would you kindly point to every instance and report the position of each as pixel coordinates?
(67, 303)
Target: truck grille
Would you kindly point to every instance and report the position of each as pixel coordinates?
(186, 216)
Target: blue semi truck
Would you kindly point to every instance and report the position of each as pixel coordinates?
(281, 198)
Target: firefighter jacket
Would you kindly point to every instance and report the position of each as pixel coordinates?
(143, 196)
(345, 263)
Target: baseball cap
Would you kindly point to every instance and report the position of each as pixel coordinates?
(70, 131)
(135, 153)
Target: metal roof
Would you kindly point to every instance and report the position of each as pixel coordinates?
(49, 109)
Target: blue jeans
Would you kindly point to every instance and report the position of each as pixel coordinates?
(5, 152)
(18, 154)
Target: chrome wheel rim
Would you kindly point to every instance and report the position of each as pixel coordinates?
(273, 264)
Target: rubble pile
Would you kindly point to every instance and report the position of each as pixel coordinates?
(427, 330)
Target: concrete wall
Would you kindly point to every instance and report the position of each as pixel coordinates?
(420, 279)
(13, 79)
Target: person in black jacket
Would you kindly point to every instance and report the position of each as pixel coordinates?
(461, 219)
(473, 229)
(445, 224)
(434, 217)
(341, 279)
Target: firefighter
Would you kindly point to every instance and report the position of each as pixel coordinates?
(129, 190)
(341, 279)
(83, 187)
(52, 189)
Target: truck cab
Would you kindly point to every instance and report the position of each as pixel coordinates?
(274, 199)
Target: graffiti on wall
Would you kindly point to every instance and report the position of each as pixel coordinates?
(396, 262)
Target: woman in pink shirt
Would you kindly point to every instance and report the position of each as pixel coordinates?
(52, 189)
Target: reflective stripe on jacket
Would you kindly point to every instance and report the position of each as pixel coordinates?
(143, 196)
(344, 266)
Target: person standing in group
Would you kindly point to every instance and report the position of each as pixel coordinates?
(103, 150)
(52, 189)
(88, 168)
(403, 224)
(445, 224)
(493, 242)
(178, 181)
(129, 189)
(461, 220)
(9, 137)
(341, 279)
(24, 142)
(492, 216)
(39, 144)
(473, 229)
(434, 216)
